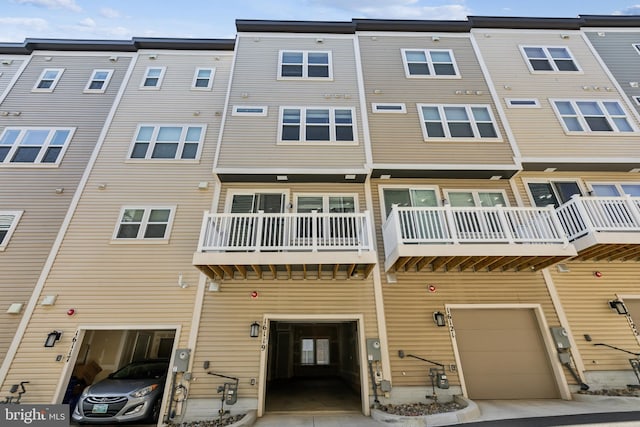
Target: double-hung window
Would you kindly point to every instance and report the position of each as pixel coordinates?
(316, 124)
(98, 81)
(592, 116)
(448, 121)
(314, 351)
(429, 63)
(305, 65)
(8, 223)
(153, 78)
(549, 59)
(203, 78)
(144, 223)
(48, 80)
(168, 142)
(35, 145)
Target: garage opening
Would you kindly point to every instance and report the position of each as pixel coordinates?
(137, 358)
(503, 355)
(313, 367)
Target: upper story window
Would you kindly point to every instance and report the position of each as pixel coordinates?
(8, 223)
(547, 58)
(48, 80)
(553, 193)
(168, 142)
(142, 223)
(615, 189)
(34, 145)
(457, 121)
(332, 203)
(153, 78)
(203, 78)
(98, 81)
(476, 198)
(389, 108)
(305, 65)
(311, 124)
(429, 63)
(592, 116)
(637, 46)
(409, 197)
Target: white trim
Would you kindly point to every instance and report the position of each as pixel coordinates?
(302, 124)
(522, 102)
(413, 34)
(12, 227)
(223, 120)
(325, 199)
(543, 328)
(209, 85)
(292, 170)
(409, 187)
(364, 116)
(636, 47)
(475, 193)
(153, 141)
(105, 82)
(446, 166)
(160, 78)
(46, 144)
(550, 180)
(228, 202)
(471, 120)
(25, 61)
(396, 107)
(144, 223)
(251, 110)
(633, 324)
(48, 265)
(54, 82)
(305, 65)
(617, 184)
(636, 98)
(549, 59)
(580, 117)
(429, 62)
(362, 351)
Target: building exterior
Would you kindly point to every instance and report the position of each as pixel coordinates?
(330, 204)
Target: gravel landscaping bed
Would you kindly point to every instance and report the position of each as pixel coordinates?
(419, 409)
(228, 420)
(626, 392)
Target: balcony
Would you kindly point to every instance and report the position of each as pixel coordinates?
(474, 239)
(286, 246)
(603, 228)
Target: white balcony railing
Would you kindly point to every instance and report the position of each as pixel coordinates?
(585, 215)
(286, 232)
(459, 225)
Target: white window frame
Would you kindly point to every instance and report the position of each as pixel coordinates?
(399, 107)
(314, 351)
(549, 58)
(636, 99)
(54, 82)
(531, 102)
(637, 47)
(146, 76)
(583, 123)
(432, 74)
(617, 184)
(475, 193)
(381, 188)
(237, 110)
(209, 82)
(228, 204)
(551, 181)
(468, 108)
(325, 199)
(332, 126)
(305, 65)
(43, 148)
(154, 135)
(143, 224)
(14, 224)
(105, 81)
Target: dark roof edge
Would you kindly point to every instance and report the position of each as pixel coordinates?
(611, 20)
(504, 22)
(136, 43)
(411, 25)
(267, 26)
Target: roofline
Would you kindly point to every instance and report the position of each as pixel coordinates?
(269, 26)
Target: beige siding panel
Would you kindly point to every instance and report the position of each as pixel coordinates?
(32, 189)
(585, 300)
(223, 338)
(538, 131)
(398, 138)
(130, 285)
(251, 142)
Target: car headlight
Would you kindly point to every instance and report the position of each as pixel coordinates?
(144, 391)
(85, 392)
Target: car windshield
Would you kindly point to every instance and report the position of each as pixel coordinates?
(138, 371)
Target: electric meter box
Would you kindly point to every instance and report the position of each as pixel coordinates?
(560, 337)
(231, 390)
(181, 360)
(373, 349)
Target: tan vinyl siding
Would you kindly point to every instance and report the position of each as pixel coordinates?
(398, 138)
(130, 284)
(251, 142)
(32, 189)
(538, 131)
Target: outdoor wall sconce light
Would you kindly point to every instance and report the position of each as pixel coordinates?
(254, 330)
(618, 306)
(52, 337)
(438, 318)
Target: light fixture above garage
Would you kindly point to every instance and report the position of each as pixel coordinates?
(438, 318)
(618, 306)
(254, 330)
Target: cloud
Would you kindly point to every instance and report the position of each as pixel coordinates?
(631, 10)
(88, 28)
(53, 4)
(88, 22)
(397, 9)
(17, 29)
(107, 12)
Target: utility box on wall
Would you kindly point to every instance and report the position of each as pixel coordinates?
(181, 360)
(373, 349)
(560, 338)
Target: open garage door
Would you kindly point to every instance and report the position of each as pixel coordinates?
(502, 354)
